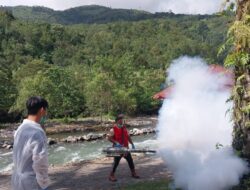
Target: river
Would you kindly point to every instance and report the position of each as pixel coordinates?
(65, 153)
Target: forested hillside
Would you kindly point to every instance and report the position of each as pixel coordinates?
(88, 15)
(99, 68)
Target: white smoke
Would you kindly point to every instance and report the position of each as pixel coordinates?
(192, 123)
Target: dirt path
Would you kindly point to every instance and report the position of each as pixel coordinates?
(94, 174)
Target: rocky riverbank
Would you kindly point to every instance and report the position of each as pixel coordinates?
(88, 137)
(89, 129)
(95, 125)
(92, 136)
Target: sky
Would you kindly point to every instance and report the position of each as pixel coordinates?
(176, 6)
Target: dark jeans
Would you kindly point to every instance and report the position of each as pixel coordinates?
(129, 159)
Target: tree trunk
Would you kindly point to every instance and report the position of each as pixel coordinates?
(241, 95)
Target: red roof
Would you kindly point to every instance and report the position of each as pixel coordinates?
(217, 68)
(214, 69)
(163, 94)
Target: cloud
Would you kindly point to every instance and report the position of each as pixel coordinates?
(190, 6)
(176, 6)
(195, 133)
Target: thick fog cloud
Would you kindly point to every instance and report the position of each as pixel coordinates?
(176, 6)
(195, 130)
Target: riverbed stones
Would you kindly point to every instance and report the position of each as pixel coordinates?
(71, 139)
(7, 145)
(93, 136)
(137, 123)
(51, 141)
(88, 137)
(80, 139)
(136, 131)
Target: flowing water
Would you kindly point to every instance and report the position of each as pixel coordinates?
(65, 153)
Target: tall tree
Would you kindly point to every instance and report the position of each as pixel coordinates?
(240, 59)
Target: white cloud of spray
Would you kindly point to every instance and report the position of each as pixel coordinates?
(190, 125)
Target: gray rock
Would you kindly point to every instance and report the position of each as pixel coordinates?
(144, 131)
(9, 147)
(51, 141)
(137, 132)
(131, 132)
(71, 139)
(94, 137)
(1, 143)
(63, 140)
(81, 139)
(86, 137)
(102, 135)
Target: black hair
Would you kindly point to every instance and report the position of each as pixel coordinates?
(35, 103)
(118, 117)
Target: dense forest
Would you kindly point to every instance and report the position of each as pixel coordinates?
(96, 69)
(88, 14)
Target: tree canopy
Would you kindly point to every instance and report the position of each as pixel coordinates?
(99, 68)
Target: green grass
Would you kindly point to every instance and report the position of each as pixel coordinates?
(149, 185)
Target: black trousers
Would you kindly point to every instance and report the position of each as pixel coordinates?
(129, 159)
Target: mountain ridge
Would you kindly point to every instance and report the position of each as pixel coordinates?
(88, 14)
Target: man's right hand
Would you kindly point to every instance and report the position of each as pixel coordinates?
(133, 146)
(118, 145)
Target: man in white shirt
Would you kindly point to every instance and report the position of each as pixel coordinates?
(30, 154)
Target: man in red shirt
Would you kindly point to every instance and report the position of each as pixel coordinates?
(120, 137)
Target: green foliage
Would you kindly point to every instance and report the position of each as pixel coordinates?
(239, 37)
(30, 69)
(99, 69)
(246, 109)
(7, 91)
(241, 32)
(239, 58)
(58, 87)
(5, 19)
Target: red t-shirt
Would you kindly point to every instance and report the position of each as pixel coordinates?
(121, 135)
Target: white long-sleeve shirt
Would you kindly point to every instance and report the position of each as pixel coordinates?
(30, 157)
